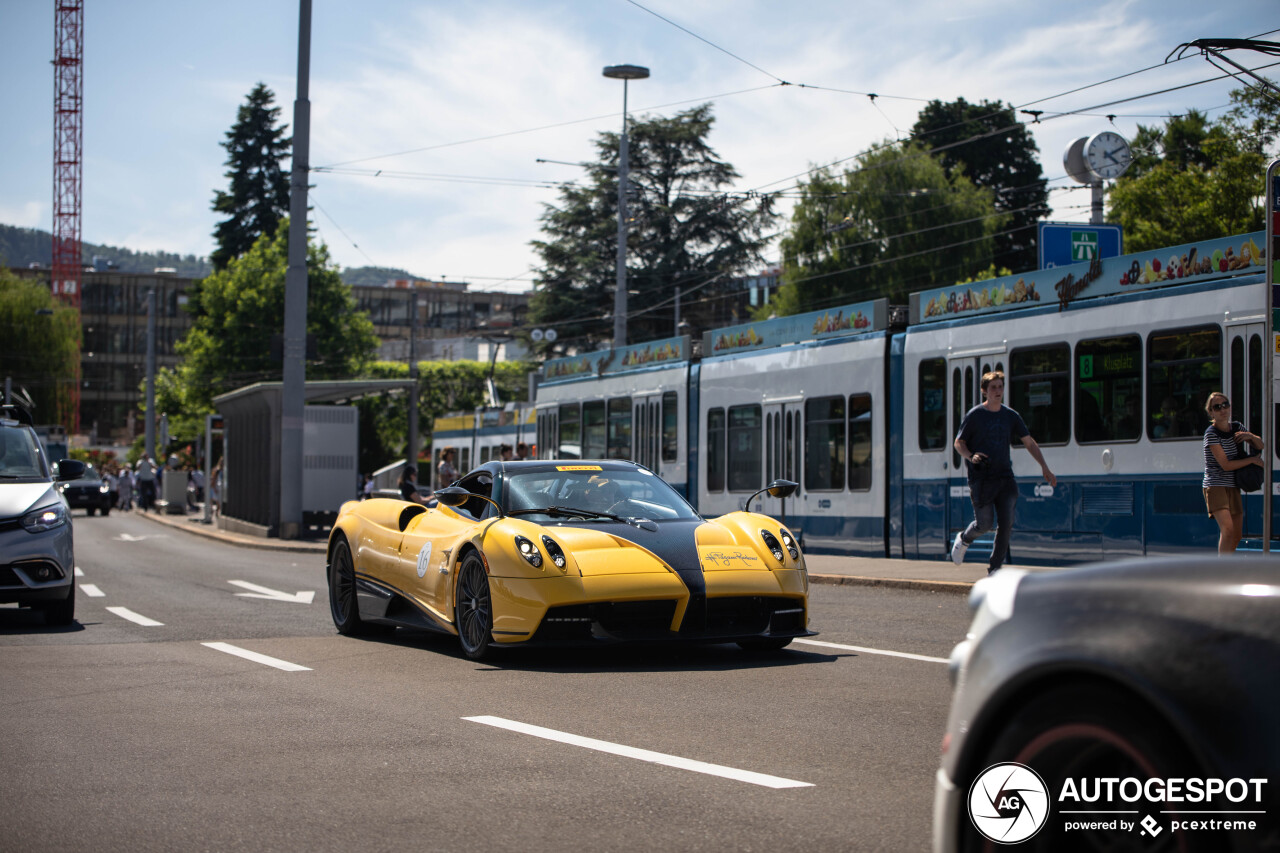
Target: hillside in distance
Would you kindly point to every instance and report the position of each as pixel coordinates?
(22, 247)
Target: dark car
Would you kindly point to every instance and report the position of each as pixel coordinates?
(37, 562)
(1124, 706)
(88, 492)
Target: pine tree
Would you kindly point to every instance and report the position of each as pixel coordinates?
(259, 185)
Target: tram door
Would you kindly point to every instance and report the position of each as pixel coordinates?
(782, 455)
(964, 391)
(646, 431)
(1244, 382)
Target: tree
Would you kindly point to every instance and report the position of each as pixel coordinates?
(996, 151)
(259, 195)
(1194, 179)
(684, 232)
(896, 223)
(238, 311)
(39, 345)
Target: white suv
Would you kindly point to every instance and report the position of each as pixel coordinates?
(37, 560)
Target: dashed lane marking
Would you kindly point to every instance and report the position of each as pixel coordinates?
(257, 658)
(676, 761)
(867, 651)
(126, 613)
(91, 590)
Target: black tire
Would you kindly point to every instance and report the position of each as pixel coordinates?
(89, 510)
(1084, 732)
(343, 606)
(60, 614)
(106, 510)
(764, 644)
(473, 608)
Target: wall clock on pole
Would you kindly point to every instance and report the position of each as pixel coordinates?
(1107, 155)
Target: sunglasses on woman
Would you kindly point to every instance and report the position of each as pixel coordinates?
(1218, 407)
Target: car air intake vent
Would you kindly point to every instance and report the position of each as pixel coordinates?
(1106, 499)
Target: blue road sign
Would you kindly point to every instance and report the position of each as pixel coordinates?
(1063, 243)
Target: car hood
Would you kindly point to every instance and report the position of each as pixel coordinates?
(17, 498)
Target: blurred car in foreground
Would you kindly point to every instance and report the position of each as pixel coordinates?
(88, 492)
(1123, 706)
(567, 552)
(37, 560)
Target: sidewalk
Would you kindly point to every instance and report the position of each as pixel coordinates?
(930, 575)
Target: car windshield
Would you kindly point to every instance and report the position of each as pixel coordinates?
(547, 494)
(20, 457)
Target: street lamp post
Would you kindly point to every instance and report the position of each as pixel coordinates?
(624, 73)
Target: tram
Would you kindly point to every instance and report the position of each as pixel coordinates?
(1108, 362)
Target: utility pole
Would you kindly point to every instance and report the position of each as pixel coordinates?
(293, 393)
(411, 456)
(150, 442)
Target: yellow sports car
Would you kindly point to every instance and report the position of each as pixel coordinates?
(555, 552)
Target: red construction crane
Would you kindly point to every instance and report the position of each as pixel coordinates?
(68, 142)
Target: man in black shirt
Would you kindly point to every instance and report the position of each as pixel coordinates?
(984, 439)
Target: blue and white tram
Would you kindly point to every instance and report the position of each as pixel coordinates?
(1109, 364)
(477, 436)
(801, 398)
(628, 403)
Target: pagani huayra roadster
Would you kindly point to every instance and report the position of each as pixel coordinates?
(556, 552)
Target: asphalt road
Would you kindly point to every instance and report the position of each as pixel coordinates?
(129, 736)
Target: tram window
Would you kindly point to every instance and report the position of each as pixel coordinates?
(1039, 389)
(593, 430)
(824, 452)
(1183, 367)
(1254, 422)
(484, 455)
(933, 404)
(670, 426)
(1109, 390)
(715, 450)
(570, 432)
(745, 423)
(860, 442)
(619, 428)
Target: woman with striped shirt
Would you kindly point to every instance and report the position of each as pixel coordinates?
(1222, 457)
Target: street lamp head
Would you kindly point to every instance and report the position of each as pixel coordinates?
(626, 72)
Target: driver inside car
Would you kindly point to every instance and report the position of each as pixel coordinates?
(600, 494)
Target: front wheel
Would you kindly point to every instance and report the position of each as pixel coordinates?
(473, 608)
(62, 613)
(343, 606)
(1085, 732)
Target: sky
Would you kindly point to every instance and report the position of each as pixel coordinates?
(455, 101)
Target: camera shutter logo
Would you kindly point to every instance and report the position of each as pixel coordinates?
(1008, 803)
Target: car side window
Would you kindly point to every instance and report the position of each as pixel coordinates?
(478, 484)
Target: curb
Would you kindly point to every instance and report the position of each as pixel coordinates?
(961, 587)
(197, 528)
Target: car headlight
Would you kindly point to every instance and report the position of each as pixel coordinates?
(790, 544)
(529, 551)
(554, 551)
(771, 542)
(47, 518)
(104, 488)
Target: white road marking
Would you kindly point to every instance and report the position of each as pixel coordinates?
(91, 590)
(129, 537)
(273, 594)
(642, 754)
(257, 658)
(867, 651)
(78, 572)
(126, 613)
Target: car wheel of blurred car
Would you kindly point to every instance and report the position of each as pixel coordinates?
(342, 593)
(88, 510)
(106, 510)
(764, 644)
(1084, 732)
(62, 613)
(474, 608)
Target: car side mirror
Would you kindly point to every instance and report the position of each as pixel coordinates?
(782, 488)
(69, 469)
(454, 496)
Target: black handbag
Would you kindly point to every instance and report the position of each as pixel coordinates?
(1248, 478)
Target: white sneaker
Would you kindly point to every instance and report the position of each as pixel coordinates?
(958, 548)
